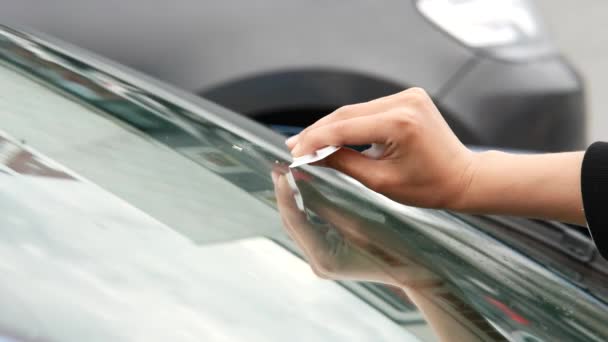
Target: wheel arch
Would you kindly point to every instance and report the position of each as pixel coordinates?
(300, 97)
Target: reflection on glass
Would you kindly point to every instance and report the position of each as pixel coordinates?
(78, 264)
(461, 298)
(187, 133)
(87, 139)
(342, 245)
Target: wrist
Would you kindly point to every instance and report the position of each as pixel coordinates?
(470, 191)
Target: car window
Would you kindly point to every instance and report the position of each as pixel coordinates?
(80, 264)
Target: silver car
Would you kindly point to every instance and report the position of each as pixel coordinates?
(488, 64)
(132, 211)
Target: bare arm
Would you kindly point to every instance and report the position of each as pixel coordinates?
(535, 185)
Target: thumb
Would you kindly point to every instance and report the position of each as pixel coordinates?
(354, 164)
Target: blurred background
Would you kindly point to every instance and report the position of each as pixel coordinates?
(512, 74)
(578, 30)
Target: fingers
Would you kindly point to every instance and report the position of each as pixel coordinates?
(361, 130)
(286, 203)
(313, 241)
(373, 107)
(343, 113)
(358, 166)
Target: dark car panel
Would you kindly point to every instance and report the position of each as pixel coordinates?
(520, 105)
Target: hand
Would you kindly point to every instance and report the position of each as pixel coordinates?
(424, 164)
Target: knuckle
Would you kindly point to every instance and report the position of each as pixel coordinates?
(383, 101)
(417, 97)
(407, 121)
(338, 127)
(338, 131)
(345, 111)
(418, 91)
(417, 101)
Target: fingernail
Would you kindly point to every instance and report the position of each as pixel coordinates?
(295, 150)
(291, 140)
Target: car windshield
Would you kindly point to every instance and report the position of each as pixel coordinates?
(131, 213)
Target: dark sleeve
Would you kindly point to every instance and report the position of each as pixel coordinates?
(594, 187)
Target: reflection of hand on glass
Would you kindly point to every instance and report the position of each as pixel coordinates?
(342, 251)
(354, 248)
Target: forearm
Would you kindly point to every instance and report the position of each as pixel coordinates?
(537, 185)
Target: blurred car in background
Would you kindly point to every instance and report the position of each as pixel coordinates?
(131, 210)
(488, 64)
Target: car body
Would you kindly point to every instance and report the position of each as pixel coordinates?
(131, 210)
(287, 63)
